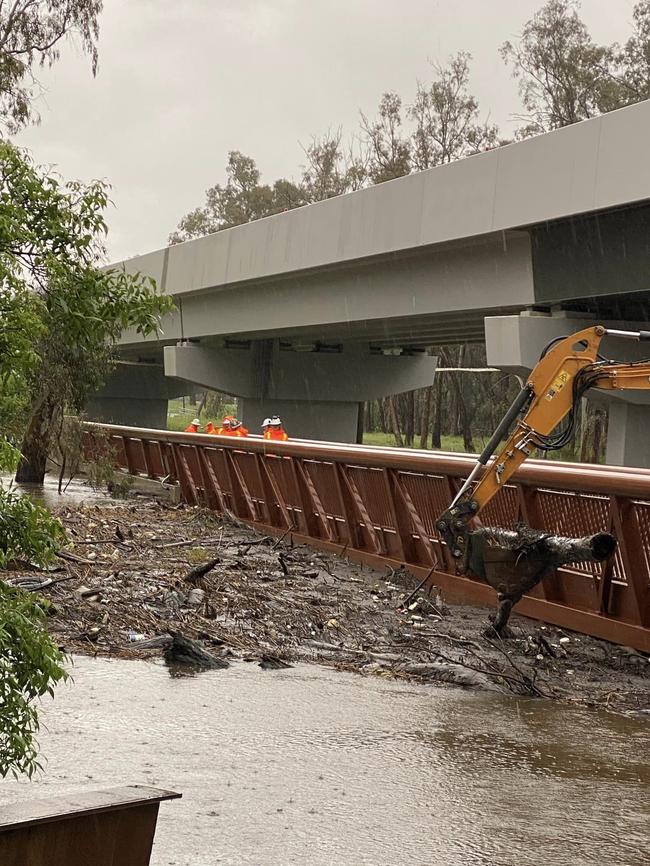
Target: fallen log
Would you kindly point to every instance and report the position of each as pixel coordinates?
(189, 653)
(514, 561)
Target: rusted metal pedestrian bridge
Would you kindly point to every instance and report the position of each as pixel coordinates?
(380, 505)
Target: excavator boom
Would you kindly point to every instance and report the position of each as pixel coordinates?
(568, 367)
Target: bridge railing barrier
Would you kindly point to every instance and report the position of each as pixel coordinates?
(380, 505)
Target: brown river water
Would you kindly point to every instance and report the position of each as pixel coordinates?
(311, 766)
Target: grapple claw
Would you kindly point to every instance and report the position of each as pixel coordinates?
(514, 561)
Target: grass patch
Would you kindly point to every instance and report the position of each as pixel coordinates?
(449, 443)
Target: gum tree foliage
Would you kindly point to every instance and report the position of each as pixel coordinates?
(30, 662)
(564, 76)
(633, 59)
(389, 150)
(30, 666)
(242, 199)
(447, 118)
(331, 168)
(63, 313)
(59, 316)
(31, 35)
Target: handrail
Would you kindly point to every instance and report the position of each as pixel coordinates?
(584, 477)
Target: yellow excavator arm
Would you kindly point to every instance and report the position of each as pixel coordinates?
(573, 361)
(569, 366)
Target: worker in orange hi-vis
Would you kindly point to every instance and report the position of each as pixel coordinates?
(193, 427)
(224, 430)
(274, 430)
(210, 428)
(237, 428)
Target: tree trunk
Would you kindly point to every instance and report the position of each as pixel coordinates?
(600, 434)
(361, 411)
(436, 431)
(394, 422)
(426, 417)
(36, 442)
(409, 427)
(593, 433)
(463, 424)
(522, 558)
(468, 441)
(383, 414)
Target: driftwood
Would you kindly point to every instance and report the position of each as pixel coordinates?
(456, 673)
(189, 653)
(194, 575)
(272, 663)
(515, 561)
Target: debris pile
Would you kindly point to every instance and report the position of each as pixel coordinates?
(150, 579)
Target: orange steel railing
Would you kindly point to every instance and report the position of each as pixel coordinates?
(380, 505)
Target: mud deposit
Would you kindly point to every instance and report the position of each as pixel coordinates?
(134, 572)
(312, 767)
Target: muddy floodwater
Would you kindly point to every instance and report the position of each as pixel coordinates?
(76, 492)
(311, 766)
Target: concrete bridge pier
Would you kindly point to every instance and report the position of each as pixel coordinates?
(514, 344)
(135, 395)
(316, 392)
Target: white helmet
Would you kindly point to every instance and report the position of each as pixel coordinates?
(276, 421)
(266, 422)
(196, 422)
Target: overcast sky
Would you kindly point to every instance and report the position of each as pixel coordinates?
(182, 82)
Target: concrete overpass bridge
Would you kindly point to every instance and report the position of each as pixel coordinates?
(311, 311)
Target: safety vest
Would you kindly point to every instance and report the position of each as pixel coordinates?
(192, 429)
(277, 434)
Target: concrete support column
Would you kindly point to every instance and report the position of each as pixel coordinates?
(317, 394)
(135, 395)
(514, 344)
(305, 419)
(628, 442)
